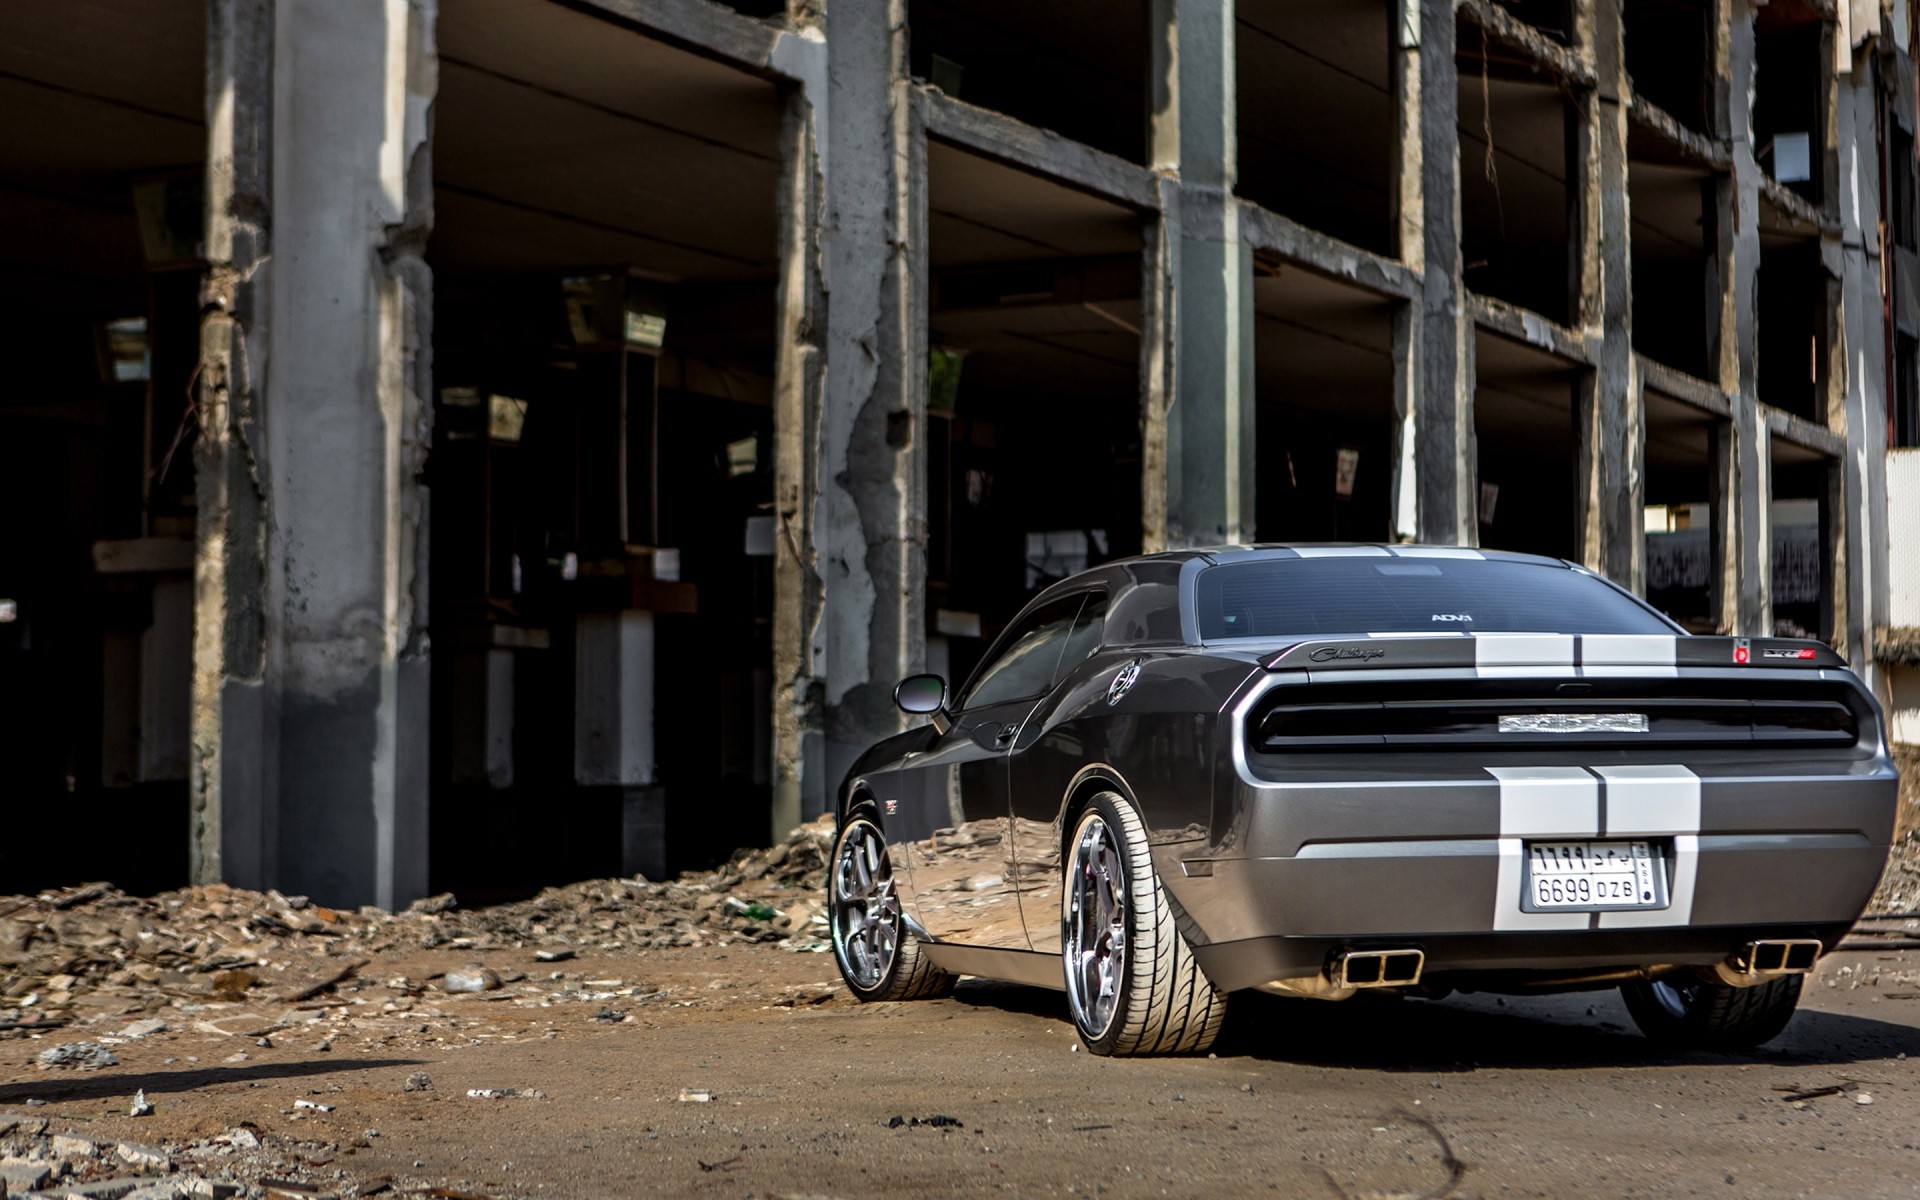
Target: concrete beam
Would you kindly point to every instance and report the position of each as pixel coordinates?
(1683, 144)
(708, 29)
(1546, 56)
(1269, 233)
(1677, 385)
(1040, 151)
(1745, 503)
(1797, 209)
(1530, 328)
(1801, 432)
(870, 522)
(1198, 475)
(311, 723)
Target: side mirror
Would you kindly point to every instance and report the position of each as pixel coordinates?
(924, 695)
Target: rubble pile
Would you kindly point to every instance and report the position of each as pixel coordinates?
(220, 944)
(245, 1163)
(1899, 890)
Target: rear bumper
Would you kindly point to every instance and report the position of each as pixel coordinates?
(1501, 959)
(1432, 859)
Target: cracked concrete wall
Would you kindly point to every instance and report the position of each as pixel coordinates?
(333, 415)
(870, 521)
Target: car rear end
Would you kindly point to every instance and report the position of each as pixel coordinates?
(1528, 811)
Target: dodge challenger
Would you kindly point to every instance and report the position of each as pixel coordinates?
(1320, 770)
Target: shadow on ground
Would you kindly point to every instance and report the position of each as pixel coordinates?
(92, 1085)
(1466, 1033)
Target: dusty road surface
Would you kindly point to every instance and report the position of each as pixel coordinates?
(1470, 1096)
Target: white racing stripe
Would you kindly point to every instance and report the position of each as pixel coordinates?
(1618, 654)
(1540, 802)
(1656, 801)
(1531, 655)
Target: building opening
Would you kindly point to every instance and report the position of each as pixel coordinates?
(1033, 457)
(1674, 268)
(1078, 70)
(1682, 553)
(604, 257)
(1668, 44)
(101, 213)
(1323, 371)
(1801, 541)
(1317, 115)
(1514, 123)
(1523, 421)
(1791, 324)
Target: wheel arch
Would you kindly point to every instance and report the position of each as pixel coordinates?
(1088, 782)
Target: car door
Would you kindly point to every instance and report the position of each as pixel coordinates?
(956, 881)
(1045, 755)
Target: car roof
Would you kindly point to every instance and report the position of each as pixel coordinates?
(1254, 551)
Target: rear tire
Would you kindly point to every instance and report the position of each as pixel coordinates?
(1132, 983)
(878, 957)
(1689, 1013)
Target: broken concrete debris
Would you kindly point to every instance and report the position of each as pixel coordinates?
(419, 1081)
(140, 1107)
(220, 943)
(89, 1056)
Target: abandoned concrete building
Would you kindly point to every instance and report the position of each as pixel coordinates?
(464, 445)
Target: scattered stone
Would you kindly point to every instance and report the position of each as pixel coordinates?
(143, 1028)
(1863, 1098)
(933, 1122)
(434, 905)
(695, 1095)
(136, 1155)
(419, 1081)
(471, 979)
(506, 1094)
(88, 1056)
(546, 956)
(315, 1105)
(19, 1178)
(140, 1106)
(65, 1145)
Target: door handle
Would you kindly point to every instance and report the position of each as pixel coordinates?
(1005, 737)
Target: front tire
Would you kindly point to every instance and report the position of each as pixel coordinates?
(1688, 1013)
(878, 958)
(1132, 983)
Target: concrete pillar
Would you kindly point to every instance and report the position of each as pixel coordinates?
(800, 785)
(1747, 516)
(1198, 418)
(1435, 473)
(1608, 421)
(1859, 383)
(870, 522)
(310, 728)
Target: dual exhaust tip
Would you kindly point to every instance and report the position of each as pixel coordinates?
(1782, 956)
(1376, 968)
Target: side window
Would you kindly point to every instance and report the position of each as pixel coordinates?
(1085, 638)
(1024, 665)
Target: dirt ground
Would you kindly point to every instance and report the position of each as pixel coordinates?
(1479, 1095)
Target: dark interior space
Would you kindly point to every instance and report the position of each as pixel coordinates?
(100, 240)
(1317, 115)
(1078, 69)
(1791, 327)
(604, 256)
(1523, 421)
(1323, 356)
(1675, 277)
(1513, 179)
(1801, 541)
(1679, 513)
(1668, 45)
(1901, 207)
(1789, 96)
(1033, 467)
(1551, 17)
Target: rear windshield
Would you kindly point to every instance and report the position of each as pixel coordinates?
(1318, 596)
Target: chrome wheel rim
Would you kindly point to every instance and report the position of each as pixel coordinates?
(866, 909)
(1096, 920)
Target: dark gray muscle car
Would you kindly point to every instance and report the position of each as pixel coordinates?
(1317, 770)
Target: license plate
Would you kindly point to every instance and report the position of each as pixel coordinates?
(1593, 876)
